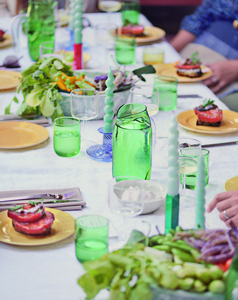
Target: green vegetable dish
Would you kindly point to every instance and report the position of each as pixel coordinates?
(179, 265)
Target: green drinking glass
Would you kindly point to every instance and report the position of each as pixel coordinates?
(125, 49)
(167, 86)
(191, 179)
(67, 139)
(132, 142)
(91, 237)
(130, 13)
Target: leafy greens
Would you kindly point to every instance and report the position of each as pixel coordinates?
(40, 90)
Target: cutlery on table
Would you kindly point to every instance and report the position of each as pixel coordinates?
(189, 96)
(13, 117)
(220, 144)
(68, 205)
(40, 196)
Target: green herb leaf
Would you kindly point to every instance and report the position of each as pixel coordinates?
(16, 207)
(207, 102)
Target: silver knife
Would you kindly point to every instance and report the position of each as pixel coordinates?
(220, 144)
(49, 195)
(189, 96)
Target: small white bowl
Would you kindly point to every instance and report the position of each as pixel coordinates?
(159, 190)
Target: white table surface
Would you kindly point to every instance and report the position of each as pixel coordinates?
(51, 272)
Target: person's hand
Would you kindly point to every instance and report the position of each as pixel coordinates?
(227, 204)
(223, 73)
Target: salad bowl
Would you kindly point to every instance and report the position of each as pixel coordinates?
(120, 98)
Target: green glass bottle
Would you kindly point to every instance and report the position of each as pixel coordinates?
(132, 142)
(231, 292)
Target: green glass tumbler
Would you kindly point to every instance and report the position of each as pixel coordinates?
(167, 86)
(191, 179)
(67, 138)
(130, 13)
(91, 237)
(125, 49)
(132, 142)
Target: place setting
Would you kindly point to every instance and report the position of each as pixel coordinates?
(39, 215)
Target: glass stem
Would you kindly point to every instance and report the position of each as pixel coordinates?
(83, 126)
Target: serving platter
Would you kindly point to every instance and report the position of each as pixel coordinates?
(62, 228)
(229, 123)
(170, 70)
(16, 135)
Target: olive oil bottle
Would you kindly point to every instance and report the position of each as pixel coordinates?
(231, 292)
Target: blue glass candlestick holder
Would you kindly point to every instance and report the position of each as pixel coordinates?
(102, 152)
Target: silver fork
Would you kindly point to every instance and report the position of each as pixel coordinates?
(39, 196)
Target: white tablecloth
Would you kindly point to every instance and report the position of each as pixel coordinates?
(51, 272)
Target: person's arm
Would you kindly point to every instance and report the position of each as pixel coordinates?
(181, 39)
(227, 204)
(223, 73)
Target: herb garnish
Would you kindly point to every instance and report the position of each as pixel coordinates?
(207, 102)
(194, 58)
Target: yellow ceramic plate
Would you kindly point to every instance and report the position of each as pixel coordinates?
(86, 58)
(170, 70)
(9, 80)
(151, 34)
(231, 184)
(7, 41)
(16, 135)
(63, 227)
(229, 123)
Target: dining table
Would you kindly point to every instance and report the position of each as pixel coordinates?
(51, 271)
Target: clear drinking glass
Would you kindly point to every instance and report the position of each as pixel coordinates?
(189, 151)
(147, 95)
(56, 50)
(125, 199)
(84, 106)
(109, 6)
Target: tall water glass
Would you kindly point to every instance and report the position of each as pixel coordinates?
(132, 142)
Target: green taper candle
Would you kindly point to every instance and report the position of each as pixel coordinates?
(172, 198)
(200, 194)
(78, 22)
(108, 118)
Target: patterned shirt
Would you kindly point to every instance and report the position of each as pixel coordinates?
(208, 12)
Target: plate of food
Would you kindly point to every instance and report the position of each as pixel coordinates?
(231, 184)
(17, 135)
(9, 80)
(186, 70)
(208, 118)
(33, 225)
(143, 34)
(5, 39)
